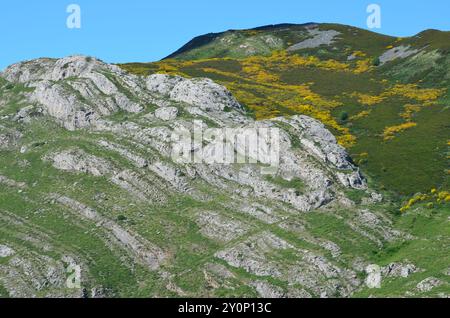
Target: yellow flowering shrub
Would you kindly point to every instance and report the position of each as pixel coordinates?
(426, 96)
(255, 70)
(359, 54)
(216, 71)
(360, 115)
(346, 140)
(440, 197)
(443, 196)
(366, 99)
(284, 61)
(362, 66)
(412, 91)
(389, 132)
(417, 198)
(409, 110)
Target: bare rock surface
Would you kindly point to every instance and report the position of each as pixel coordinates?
(318, 38)
(399, 52)
(266, 290)
(203, 93)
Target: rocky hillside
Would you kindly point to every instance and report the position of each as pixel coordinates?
(385, 98)
(88, 178)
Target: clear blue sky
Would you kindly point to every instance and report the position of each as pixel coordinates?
(147, 30)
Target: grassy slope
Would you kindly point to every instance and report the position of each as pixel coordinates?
(173, 227)
(429, 250)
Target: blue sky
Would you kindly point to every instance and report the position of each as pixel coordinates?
(148, 30)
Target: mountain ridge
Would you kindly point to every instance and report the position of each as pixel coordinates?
(206, 38)
(209, 37)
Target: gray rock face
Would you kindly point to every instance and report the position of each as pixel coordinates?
(75, 90)
(319, 142)
(25, 276)
(79, 90)
(162, 84)
(26, 114)
(11, 183)
(77, 161)
(399, 52)
(266, 290)
(220, 228)
(317, 39)
(137, 160)
(63, 106)
(202, 93)
(76, 66)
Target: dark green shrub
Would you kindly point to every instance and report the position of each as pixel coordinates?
(376, 62)
(121, 218)
(343, 116)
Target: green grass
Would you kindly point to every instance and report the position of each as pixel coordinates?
(429, 250)
(414, 161)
